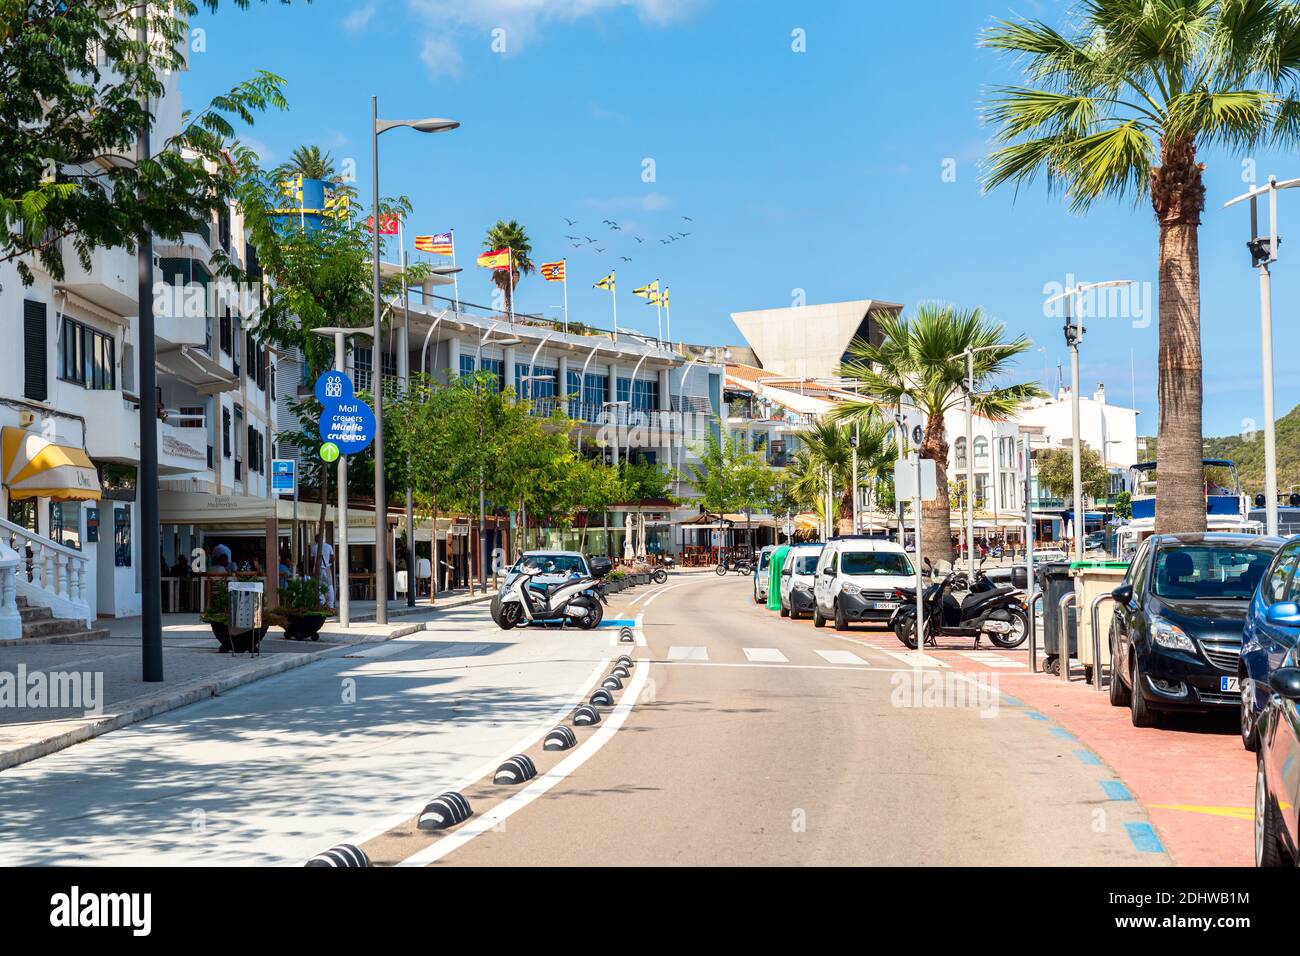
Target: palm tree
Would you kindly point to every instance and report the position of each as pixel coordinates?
(1119, 108)
(311, 162)
(510, 235)
(914, 362)
(828, 449)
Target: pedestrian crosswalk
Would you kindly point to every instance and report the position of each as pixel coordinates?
(991, 659)
(862, 655)
(765, 655)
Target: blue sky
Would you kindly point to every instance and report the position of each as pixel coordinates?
(819, 171)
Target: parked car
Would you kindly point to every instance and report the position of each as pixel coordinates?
(1271, 633)
(798, 576)
(762, 560)
(1176, 634)
(1277, 770)
(1049, 555)
(856, 578)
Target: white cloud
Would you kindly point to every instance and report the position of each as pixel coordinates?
(522, 20)
(360, 18)
(441, 56)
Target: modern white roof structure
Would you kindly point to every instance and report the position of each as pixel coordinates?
(809, 341)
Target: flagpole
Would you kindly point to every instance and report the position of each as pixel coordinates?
(659, 312)
(566, 295)
(613, 297)
(455, 276)
(510, 282)
(668, 314)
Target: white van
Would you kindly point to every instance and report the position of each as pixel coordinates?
(798, 575)
(856, 578)
(762, 565)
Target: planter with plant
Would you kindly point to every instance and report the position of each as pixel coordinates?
(217, 616)
(303, 609)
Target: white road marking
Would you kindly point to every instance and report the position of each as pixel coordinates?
(913, 659)
(523, 745)
(769, 655)
(1004, 663)
(678, 653)
(840, 657)
(538, 787)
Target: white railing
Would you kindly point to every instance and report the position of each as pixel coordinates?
(11, 622)
(45, 573)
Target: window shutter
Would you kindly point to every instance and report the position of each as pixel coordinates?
(35, 352)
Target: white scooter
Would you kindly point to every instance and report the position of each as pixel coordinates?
(575, 600)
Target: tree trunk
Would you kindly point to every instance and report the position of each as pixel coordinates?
(936, 531)
(1178, 197)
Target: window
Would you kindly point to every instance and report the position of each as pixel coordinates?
(225, 330)
(1274, 588)
(498, 368)
(540, 387)
(1208, 572)
(595, 393)
(65, 523)
(226, 449)
(573, 385)
(467, 365)
(363, 362)
(981, 452)
(122, 537)
(876, 562)
(35, 352)
(961, 452)
(645, 395)
(87, 357)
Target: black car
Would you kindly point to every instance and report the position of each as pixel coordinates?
(1277, 773)
(1175, 637)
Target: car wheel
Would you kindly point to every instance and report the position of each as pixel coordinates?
(818, 620)
(785, 611)
(1248, 723)
(1117, 692)
(1268, 829)
(841, 622)
(1141, 714)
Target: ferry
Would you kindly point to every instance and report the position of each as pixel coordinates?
(1226, 508)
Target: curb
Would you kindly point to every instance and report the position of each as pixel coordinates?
(404, 611)
(180, 697)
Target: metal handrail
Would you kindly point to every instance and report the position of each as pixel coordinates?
(1063, 658)
(1035, 598)
(1096, 637)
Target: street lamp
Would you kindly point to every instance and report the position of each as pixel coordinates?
(1073, 336)
(708, 356)
(341, 559)
(378, 127)
(505, 342)
(969, 355)
(1263, 250)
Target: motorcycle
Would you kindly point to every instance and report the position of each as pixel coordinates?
(578, 599)
(740, 565)
(986, 609)
(660, 574)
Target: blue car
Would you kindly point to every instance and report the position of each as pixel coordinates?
(1271, 633)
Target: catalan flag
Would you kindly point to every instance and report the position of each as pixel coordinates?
(439, 245)
(552, 271)
(606, 283)
(497, 259)
(650, 291)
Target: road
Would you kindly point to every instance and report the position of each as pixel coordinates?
(740, 738)
(758, 740)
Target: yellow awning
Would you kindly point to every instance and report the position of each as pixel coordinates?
(35, 467)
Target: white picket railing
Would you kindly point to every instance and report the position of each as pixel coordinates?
(45, 573)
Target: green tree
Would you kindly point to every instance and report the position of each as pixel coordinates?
(1122, 106)
(829, 447)
(510, 235)
(310, 162)
(74, 77)
(729, 478)
(1056, 473)
(918, 361)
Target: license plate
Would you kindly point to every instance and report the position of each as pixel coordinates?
(1228, 685)
(884, 605)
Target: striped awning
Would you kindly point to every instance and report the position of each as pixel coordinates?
(35, 467)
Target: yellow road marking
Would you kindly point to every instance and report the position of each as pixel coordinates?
(1236, 813)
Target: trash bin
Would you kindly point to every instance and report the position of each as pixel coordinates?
(1055, 581)
(1094, 579)
(245, 614)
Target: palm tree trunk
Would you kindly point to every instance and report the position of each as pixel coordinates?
(936, 518)
(1178, 196)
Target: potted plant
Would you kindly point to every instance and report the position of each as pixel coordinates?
(302, 611)
(217, 616)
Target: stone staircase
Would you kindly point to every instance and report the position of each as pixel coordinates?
(40, 626)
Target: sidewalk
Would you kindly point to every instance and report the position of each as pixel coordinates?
(102, 679)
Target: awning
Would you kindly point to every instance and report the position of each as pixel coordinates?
(35, 467)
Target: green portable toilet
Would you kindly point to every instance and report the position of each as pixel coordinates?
(774, 565)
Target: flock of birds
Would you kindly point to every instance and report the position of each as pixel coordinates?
(584, 241)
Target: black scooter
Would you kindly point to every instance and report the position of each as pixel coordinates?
(986, 608)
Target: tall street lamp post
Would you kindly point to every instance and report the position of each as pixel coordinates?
(969, 356)
(506, 342)
(1073, 336)
(379, 127)
(1263, 250)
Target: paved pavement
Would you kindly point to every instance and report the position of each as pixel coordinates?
(110, 692)
(756, 742)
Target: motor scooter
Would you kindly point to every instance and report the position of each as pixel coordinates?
(986, 609)
(578, 599)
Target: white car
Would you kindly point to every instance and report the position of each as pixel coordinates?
(856, 580)
(798, 575)
(762, 565)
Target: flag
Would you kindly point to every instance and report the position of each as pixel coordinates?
(497, 259)
(606, 283)
(337, 202)
(650, 291)
(655, 299)
(292, 188)
(439, 245)
(664, 297)
(389, 224)
(552, 271)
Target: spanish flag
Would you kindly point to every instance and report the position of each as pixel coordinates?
(552, 271)
(498, 259)
(650, 291)
(606, 283)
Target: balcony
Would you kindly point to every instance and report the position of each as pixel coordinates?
(111, 282)
(182, 444)
(173, 327)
